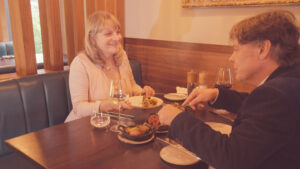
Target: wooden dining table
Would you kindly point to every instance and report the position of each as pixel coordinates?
(78, 145)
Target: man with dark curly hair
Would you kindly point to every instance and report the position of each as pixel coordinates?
(266, 132)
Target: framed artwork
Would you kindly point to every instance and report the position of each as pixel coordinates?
(232, 3)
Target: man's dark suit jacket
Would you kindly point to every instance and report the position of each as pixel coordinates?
(266, 133)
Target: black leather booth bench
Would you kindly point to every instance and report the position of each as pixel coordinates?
(32, 103)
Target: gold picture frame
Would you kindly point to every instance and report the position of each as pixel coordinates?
(232, 3)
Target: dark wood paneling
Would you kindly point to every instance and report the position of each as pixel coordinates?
(165, 63)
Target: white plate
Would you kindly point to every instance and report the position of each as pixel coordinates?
(175, 96)
(175, 156)
(127, 141)
(136, 101)
(220, 127)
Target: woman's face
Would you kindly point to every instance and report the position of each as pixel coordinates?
(108, 40)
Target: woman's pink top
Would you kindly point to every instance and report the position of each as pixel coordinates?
(89, 84)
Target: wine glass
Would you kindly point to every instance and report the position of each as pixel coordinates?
(223, 78)
(118, 94)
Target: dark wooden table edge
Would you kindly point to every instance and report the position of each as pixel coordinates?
(23, 155)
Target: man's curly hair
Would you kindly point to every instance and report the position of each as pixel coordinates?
(279, 27)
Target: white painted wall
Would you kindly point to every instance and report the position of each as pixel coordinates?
(167, 20)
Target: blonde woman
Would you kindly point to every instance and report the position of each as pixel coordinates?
(93, 69)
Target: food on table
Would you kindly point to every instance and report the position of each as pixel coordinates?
(153, 120)
(176, 104)
(149, 101)
(138, 130)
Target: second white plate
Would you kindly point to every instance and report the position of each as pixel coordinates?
(175, 96)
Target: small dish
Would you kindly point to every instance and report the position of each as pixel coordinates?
(178, 155)
(100, 120)
(127, 141)
(129, 131)
(175, 96)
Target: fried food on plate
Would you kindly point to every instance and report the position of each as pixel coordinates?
(149, 101)
(138, 130)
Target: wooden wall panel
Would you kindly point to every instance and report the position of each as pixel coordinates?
(165, 63)
(74, 27)
(110, 6)
(3, 23)
(51, 34)
(68, 17)
(22, 33)
(120, 13)
(90, 7)
(116, 7)
(79, 25)
(100, 5)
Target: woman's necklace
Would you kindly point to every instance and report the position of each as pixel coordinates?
(108, 68)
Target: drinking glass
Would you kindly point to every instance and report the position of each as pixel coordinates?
(100, 120)
(191, 81)
(223, 78)
(118, 94)
(202, 80)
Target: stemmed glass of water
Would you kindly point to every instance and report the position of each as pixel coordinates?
(118, 93)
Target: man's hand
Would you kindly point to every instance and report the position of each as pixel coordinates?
(201, 96)
(167, 114)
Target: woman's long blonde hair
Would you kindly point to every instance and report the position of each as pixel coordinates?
(95, 23)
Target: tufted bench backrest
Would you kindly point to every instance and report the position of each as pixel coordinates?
(33, 103)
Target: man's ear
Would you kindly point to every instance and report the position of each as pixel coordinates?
(265, 49)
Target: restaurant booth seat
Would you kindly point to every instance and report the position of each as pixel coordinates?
(29, 104)
(32, 103)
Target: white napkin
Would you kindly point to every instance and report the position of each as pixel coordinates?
(181, 90)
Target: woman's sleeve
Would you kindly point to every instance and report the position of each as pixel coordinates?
(79, 89)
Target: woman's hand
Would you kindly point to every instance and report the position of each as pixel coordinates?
(107, 105)
(148, 91)
(126, 105)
